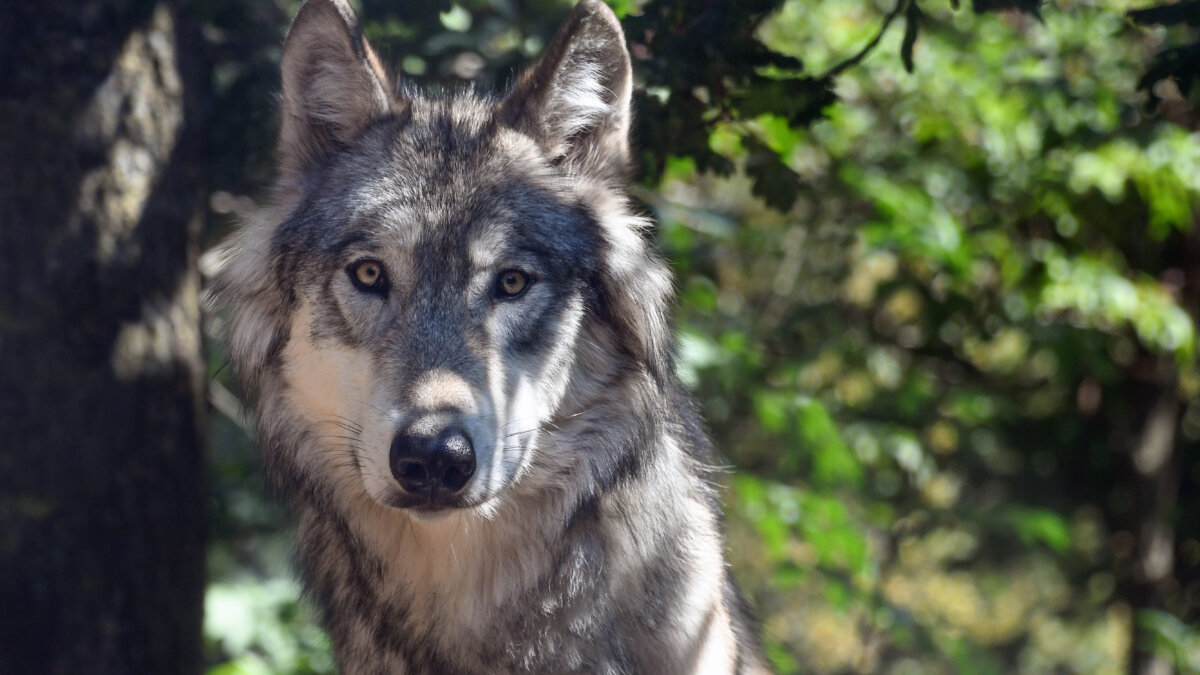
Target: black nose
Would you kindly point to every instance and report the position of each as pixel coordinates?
(437, 466)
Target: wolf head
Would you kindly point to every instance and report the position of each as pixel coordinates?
(445, 281)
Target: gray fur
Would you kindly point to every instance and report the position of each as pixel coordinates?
(587, 540)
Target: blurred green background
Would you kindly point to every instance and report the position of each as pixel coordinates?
(938, 300)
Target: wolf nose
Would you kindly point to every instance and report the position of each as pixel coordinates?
(433, 465)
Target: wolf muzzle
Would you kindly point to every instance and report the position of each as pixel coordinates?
(434, 466)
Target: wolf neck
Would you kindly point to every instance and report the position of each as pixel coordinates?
(546, 557)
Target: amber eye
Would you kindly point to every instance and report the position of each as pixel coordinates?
(511, 283)
(368, 275)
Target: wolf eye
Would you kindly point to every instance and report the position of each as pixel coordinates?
(368, 275)
(512, 284)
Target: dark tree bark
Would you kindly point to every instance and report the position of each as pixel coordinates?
(1156, 493)
(101, 376)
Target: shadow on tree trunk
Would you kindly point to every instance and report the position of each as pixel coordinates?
(101, 502)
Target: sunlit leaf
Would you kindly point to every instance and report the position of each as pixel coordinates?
(1041, 526)
(833, 461)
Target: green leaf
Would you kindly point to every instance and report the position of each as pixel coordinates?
(772, 409)
(968, 659)
(622, 8)
(1041, 525)
(799, 101)
(774, 181)
(833, 461)
(457, 19)
(1171, 638)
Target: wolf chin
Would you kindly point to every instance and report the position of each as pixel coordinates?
(458, 344)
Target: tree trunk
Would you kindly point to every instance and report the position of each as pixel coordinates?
(101, 375)
(1156, 492)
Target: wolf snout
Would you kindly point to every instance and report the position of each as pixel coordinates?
(436, 466)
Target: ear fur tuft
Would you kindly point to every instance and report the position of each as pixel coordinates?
(575, 100)
(333, 85)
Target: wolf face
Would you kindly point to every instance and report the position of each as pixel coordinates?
(444, 280)
(445, 288)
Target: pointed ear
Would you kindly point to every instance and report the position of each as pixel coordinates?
(575, 100)
(333, 86)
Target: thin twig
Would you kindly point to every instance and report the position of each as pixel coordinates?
(833, 72)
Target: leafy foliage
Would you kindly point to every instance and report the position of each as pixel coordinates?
(1182, 62)
(997, 289)
(932, 281)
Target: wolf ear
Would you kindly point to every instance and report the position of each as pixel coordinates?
(333, 86)
(575, 100)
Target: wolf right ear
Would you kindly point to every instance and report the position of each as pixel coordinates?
(575, 100)
(333, 86)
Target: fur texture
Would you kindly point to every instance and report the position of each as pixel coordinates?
(371, 307)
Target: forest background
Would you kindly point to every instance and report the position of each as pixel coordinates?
(939, 281)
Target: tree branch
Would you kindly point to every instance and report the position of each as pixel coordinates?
(838, 69)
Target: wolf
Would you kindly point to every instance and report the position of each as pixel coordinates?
(458, 344)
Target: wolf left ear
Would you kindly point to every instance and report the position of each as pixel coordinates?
(333, 86)
(575, 100)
